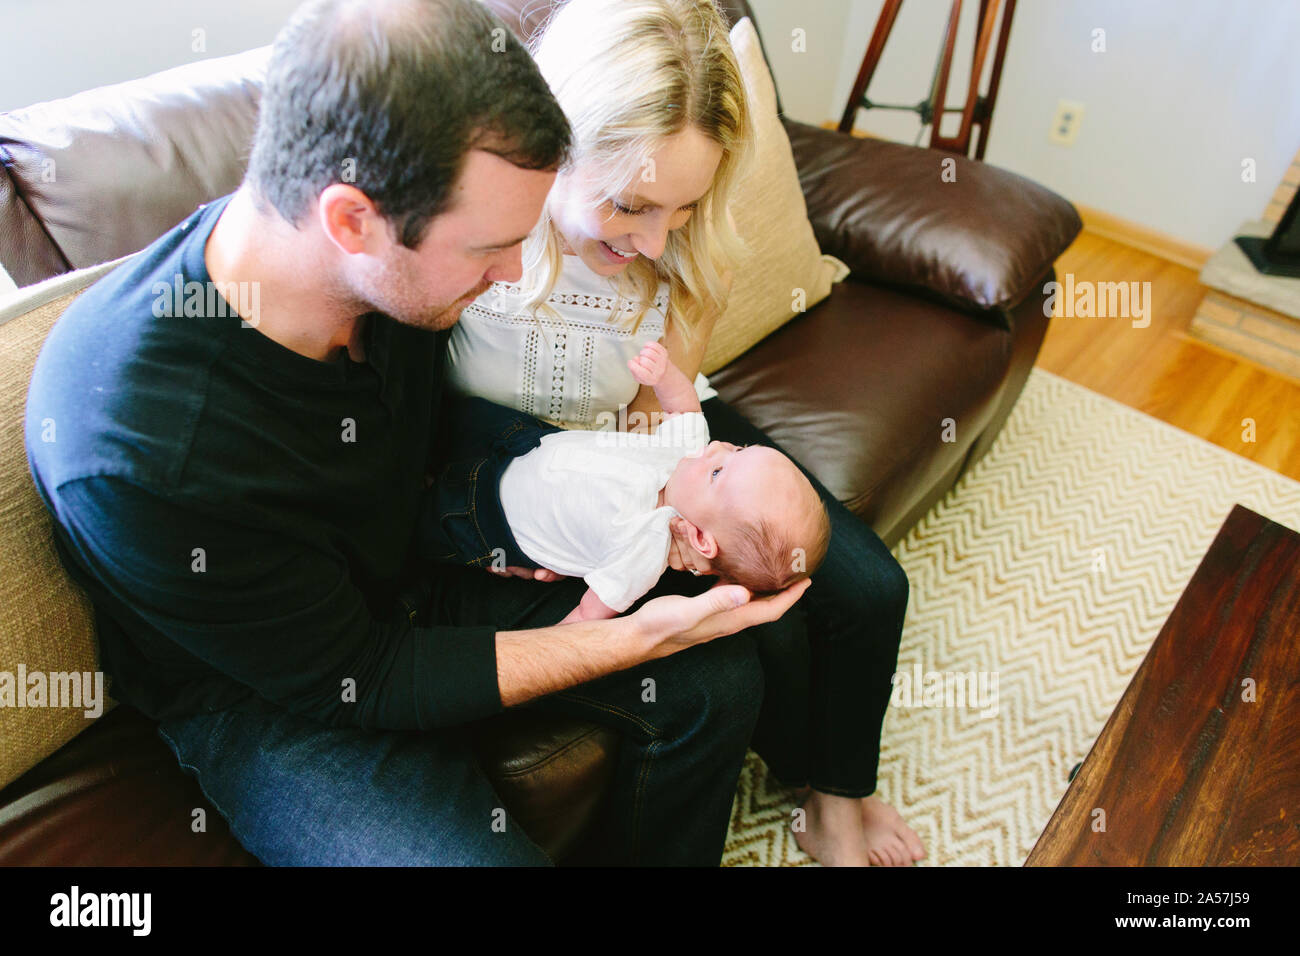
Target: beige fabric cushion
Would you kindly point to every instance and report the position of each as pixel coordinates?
(46, 621)
(772, 219)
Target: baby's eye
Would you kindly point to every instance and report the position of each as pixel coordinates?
(714, 473)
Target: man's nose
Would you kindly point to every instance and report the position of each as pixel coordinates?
(509, 267)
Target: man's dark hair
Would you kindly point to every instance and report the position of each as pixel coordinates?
(390, 96)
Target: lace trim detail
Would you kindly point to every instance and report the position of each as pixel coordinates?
(528, 378)
(558, 358)
(571, 300)
(588, 300)
(584, 379)
(604, 327)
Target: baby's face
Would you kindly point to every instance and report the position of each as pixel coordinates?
(725, 480)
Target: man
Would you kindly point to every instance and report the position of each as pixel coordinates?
(235, 478)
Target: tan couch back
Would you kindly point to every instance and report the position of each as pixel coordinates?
(46, 621)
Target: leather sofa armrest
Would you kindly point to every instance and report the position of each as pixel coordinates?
(978, 242)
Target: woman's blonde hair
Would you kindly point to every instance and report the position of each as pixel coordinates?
(629, 73)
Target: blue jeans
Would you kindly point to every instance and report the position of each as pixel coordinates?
(826, 696)
(296, 792)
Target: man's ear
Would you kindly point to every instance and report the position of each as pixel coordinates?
(350, 220)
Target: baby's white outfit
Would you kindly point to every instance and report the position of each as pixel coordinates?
(586, 504)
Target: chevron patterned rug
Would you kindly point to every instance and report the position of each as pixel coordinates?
(1051, 566)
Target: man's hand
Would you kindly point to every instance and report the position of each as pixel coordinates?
(528, 574)
(673, 623)
(534, 663)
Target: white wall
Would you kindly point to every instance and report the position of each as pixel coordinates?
(808, 78)
(1185, 91)
(53, 48)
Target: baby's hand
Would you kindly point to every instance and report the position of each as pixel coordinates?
(528, 574)
(649, 367)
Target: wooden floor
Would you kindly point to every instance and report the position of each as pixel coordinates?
(1161, 369)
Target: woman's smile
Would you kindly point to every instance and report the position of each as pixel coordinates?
(616, 254)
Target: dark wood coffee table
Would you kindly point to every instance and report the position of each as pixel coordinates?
(1186, 770)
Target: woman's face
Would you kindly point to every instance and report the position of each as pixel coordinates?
(610, 232)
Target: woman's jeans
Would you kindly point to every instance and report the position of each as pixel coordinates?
(826, 698)
(461, 520)
(297, 792)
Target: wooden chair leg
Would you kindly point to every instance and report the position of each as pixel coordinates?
(939, 89)
(961, 142)
(995, 78)
(884, 24)
(976, 110)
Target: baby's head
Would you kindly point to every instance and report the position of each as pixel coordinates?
(748, 515)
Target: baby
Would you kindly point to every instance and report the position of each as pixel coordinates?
(615, 508)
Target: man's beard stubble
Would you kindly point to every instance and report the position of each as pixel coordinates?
(392, 292)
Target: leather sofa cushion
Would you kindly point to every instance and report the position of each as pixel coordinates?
(551, 771)
(130, 161)
(114, 796)
(978, 242)
(26, 252)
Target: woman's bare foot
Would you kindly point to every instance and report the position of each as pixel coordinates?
(877, 814)
(855, 831)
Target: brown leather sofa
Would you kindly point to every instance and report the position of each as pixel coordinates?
(942, 317)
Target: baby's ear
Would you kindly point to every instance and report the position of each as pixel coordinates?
(702, 541)
(697, 539)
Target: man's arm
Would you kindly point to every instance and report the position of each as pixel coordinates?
(269, 611)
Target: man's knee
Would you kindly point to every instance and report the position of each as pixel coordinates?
(718, 686)
(489, 837)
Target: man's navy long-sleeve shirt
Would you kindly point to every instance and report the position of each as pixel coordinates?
(242, 515)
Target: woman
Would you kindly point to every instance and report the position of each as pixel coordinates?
(633, 246)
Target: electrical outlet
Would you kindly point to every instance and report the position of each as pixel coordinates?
(1065, 125)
